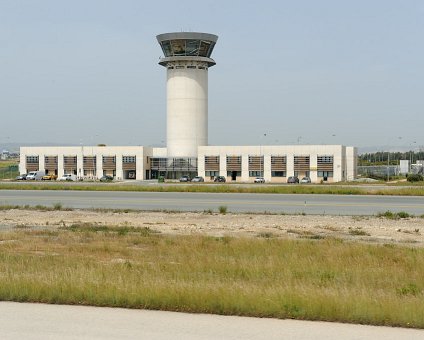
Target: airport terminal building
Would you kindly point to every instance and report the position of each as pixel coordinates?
(187, 59)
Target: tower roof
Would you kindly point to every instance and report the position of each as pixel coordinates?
(187, 44)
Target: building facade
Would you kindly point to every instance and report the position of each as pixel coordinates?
(322, 163)
(187, 59)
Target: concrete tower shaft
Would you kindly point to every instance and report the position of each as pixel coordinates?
(187, 59)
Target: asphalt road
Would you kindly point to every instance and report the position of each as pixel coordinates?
(275, 203)
(44, 322)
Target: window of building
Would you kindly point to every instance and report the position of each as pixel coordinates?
(211, 173)
(32, 159)
(212, 163)
(278, 174)
(256, 163)
(255, 173)
(325, 159)
(233, 173)
(325, 173)
(191, 67)
(234, 163)
(109, 159)
(128, 159)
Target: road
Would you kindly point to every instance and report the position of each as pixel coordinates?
(275, 203)
(38, 321)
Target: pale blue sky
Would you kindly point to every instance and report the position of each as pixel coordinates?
(348, 72)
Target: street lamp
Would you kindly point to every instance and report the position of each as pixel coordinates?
(388, 161)
(261, 160)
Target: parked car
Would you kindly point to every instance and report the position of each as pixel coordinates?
(68, 177)
(259, 180)
(219, 179)
(305, 180)
(293, 179)
(185, 179)
(21, 177)
(35, 175)
(106, 178)
(50, 177)
(198, 179)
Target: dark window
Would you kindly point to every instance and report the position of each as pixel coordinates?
(278, 174)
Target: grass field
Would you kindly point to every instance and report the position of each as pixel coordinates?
(131, 267)
(223, 188)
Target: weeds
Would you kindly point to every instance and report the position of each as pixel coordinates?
(393, 215)
(358, 232)
(57, 206)
(222, 209)
(409, 289)
(266, 234)
(227, 188)
(120, 230)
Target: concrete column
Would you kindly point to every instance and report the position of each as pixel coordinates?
(80, 168)
(290, 164)
(119, 171)
(245, 168)
(140, 169)
(60, 165)
(267, 168)
(223, 165)
(201, 166)
(22, 163)
(338, 166)
(187, 109)
(41, 164)
(99, 165)
(313, 166)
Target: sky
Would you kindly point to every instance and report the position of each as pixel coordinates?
(287, 72)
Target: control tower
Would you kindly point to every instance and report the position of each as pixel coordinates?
(187, 57)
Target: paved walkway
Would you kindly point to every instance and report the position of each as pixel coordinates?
(38, 321)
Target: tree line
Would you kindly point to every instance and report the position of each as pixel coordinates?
(380, 157)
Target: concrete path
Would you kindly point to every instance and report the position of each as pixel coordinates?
(44, 322)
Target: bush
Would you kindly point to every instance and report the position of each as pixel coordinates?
(222, 209)
(414, 178)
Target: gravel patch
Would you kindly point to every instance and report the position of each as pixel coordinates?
(355, 228)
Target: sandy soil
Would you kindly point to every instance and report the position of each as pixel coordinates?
(366, 229)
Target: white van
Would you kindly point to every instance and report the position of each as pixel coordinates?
(35, 175)
(68, 177)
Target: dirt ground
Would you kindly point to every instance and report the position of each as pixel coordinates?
(366, 229)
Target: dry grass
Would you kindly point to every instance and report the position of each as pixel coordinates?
(265, 276)
(221, 188)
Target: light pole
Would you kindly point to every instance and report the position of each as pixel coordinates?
(261, 158)
(388, 161)
(411, 152)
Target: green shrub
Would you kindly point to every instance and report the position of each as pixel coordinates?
(57, 206)
(403, 214)
(394, 216)
(414, 178)
(222, 209)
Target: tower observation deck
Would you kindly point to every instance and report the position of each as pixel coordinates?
(187, 57)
